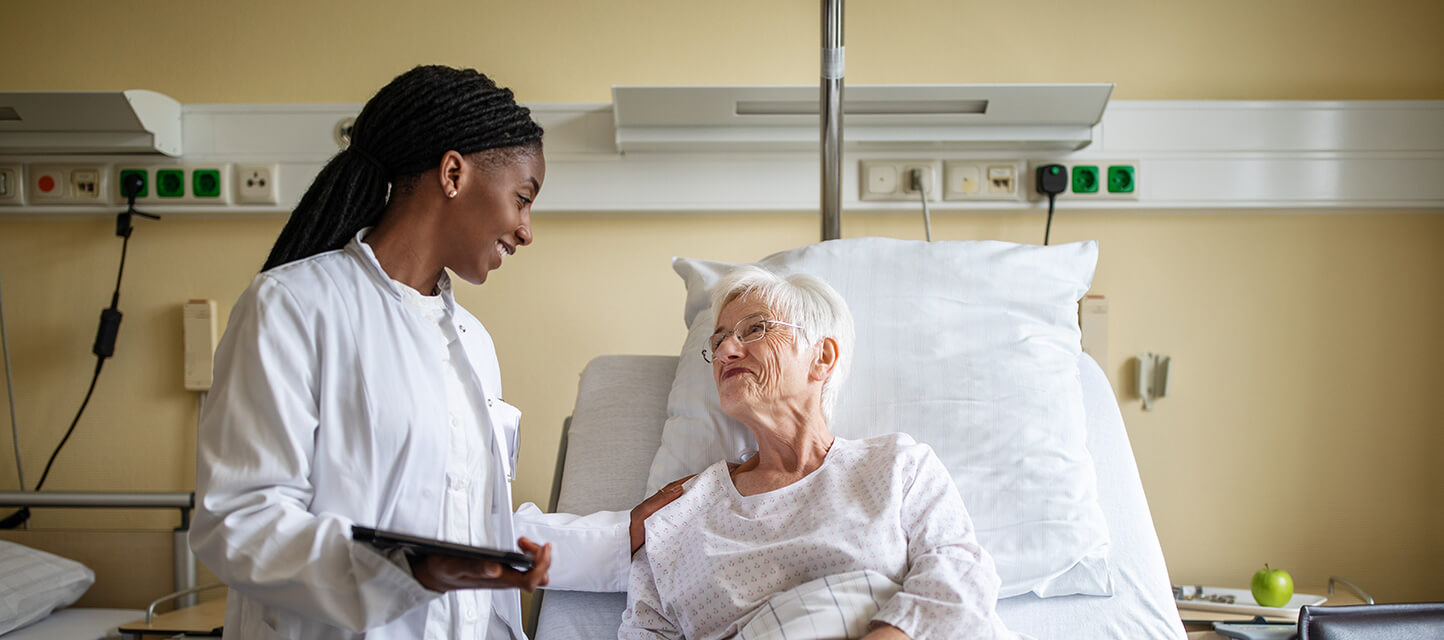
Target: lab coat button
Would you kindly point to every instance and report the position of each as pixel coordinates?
(471, 614)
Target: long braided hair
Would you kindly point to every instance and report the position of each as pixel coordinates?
(401, 132)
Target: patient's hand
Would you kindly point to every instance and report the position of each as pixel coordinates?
(445, 573)
(882, 631)
(651, 505)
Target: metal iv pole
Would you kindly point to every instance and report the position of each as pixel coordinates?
(833, 66)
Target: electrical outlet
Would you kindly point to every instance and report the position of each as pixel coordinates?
(1002, 180)
(145, 191)
(905, 177)
(206, 183)
(1121, 178)
(981, 179)
(170, 183)
(1085, 178)
(892, 179)
(85, 184)
(256, 184)
(12, 188)
(1095, 180)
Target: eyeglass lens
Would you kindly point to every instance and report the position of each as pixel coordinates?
(749, 329)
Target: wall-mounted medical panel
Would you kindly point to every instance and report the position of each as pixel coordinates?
(1365, 156)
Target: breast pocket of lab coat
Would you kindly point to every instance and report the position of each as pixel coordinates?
(506, 419)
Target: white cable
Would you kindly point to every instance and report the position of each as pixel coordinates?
(916, 177)
(10, 389)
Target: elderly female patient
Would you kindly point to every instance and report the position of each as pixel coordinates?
(814, 536)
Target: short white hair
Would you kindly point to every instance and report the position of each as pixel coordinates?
(801, 299)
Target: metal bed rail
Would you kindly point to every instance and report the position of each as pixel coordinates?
(184, 572)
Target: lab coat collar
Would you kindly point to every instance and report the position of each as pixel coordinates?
(401, 292)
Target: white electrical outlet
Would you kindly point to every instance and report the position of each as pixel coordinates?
(892, 179)
(12, 188)
(982, 180)
(256, 184)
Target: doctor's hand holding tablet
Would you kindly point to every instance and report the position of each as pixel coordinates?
(352, 389)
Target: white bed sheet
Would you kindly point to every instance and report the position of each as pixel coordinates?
(616, 428)
(1142, 605)
(77, 623)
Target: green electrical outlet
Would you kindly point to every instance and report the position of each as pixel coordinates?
(1085, 179)
(170, 183)
(144, 183)
(206, 183)
(1121, 178)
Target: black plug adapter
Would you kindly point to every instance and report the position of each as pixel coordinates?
(1052, 179)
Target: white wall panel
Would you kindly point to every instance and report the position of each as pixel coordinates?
(1191, 155)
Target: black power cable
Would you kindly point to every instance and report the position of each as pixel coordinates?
(105, 334)
(1051, 180)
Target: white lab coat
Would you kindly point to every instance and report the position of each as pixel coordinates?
(326, 411)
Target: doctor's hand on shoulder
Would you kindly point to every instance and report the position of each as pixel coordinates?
(651, 505)
(445, 573)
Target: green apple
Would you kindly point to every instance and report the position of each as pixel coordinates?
(1272, 587)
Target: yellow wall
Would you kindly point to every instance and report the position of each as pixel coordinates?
(1302, 430)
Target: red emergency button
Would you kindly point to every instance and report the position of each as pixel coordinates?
(46, 184)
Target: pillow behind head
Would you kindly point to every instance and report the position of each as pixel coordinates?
(971, 348)
(33, 583)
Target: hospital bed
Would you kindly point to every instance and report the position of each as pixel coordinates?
(616, 429)
(131, 568)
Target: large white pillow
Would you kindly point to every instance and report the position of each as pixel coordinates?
(970, 347)
(33, 583)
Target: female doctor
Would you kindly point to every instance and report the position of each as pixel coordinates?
(350, 388)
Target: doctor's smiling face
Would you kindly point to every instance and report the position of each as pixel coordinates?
(489, 217)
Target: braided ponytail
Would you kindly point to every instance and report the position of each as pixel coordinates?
(401, 133)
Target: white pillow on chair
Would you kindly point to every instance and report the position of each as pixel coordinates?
(970, 347)
(33, 583)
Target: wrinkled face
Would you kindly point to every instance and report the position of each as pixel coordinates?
(762, 376)
(492, 212)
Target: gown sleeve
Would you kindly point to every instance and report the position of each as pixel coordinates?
(589, 553)
(951, 587)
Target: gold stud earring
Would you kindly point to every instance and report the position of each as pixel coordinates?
(451, 194)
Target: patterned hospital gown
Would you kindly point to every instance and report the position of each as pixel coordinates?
(885, 506)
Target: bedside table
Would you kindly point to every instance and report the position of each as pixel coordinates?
(1199, 624)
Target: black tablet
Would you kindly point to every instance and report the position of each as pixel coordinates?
(425, 546)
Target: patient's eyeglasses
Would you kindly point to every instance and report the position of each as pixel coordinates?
(749, 329)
